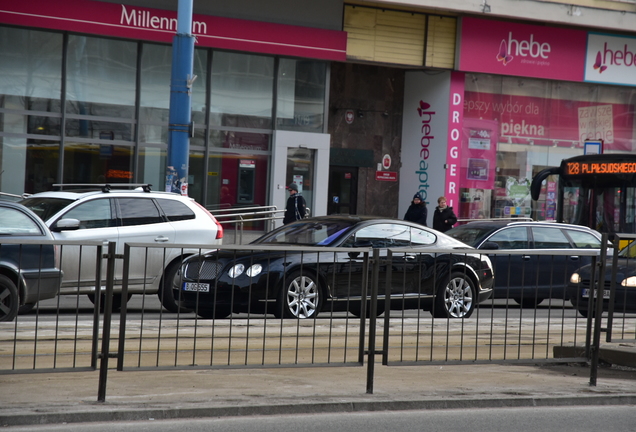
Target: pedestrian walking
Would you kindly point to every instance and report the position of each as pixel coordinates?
(417, 211)
(443, 218)
(296, 207)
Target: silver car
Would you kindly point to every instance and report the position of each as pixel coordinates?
(125, 216)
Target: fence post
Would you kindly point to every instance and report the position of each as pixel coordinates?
(610, 309)
(98, 289)
(124, 308)
(372, 320)
(363, 308)
(108, 306)
(387, 308)
(596, 292)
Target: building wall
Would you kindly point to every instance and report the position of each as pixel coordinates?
(378, 93)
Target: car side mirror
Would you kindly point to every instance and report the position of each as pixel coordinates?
(360, 244)
(66, 225)
(489, 245)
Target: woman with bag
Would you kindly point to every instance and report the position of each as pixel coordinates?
(296, 207)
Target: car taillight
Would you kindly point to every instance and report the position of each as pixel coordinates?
(219, 228)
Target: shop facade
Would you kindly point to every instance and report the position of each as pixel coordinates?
(524, 98)
(85, 89)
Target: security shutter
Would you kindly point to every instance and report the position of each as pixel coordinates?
(387, 36)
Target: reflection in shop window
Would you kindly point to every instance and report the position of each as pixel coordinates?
(530, 125)
(98, 163)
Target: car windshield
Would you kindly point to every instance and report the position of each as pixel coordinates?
(310, 233)
(45, 208)
(628, 251)
(471, 235)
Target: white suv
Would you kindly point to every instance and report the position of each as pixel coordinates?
(104, 213)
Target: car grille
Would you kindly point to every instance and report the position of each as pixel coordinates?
(586, 283)
(203, 270)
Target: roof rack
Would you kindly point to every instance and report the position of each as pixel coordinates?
(105, 187)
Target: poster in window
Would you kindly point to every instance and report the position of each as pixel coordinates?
(477, 169)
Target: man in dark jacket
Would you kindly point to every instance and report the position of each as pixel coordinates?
(444, 218)
(417, 211)
(296, 206)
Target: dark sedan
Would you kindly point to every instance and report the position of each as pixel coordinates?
(529, 278)
(624, 286)
(296, 281)
(29, 271)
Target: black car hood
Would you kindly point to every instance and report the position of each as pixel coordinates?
(625, 267)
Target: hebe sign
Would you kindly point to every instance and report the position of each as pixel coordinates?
(507, 48)
(525, 48)
(610, 59)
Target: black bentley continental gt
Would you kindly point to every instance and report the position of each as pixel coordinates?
(318, 264)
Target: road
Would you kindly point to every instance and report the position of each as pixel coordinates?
(562, 419)
(71, 306)
(155, 337)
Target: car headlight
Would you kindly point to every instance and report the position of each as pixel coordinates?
(629, 282)
(236, 271)
(575, 278)
(254, 270)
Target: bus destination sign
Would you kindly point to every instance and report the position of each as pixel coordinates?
(591, 168)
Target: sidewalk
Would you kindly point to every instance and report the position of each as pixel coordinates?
(161, 394)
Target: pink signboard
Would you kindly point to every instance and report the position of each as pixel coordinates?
(509, 48)
(553, 122)
(133, 22)
(454, 147)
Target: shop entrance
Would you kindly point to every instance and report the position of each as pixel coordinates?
(343, 190)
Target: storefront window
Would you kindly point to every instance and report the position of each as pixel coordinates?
(300, 104)
(31, 69)
(242, 90)
(516, 127)
(30, 80)
(91, 130)
(101, 77)
(238, 178)
(152, 166)
(97, 163)
(156, 70)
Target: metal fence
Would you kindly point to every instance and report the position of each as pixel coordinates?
(397, 322)
(55, 334)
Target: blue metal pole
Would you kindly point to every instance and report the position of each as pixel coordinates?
(180, 120)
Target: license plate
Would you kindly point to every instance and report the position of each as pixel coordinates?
(196, 287)
(586, 293)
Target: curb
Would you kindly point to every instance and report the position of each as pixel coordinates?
(313, 408)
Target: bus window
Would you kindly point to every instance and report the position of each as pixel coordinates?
(596, 191)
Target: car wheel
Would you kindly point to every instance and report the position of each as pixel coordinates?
(117, 301)
(354, 308)
(9, 301)
(26, 308)
(300, 297)
(169, 288)
(455, 298)
(528, 302)
(221, 311)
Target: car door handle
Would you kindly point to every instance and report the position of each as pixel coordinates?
(526, 257)
(574, 257)
(161, 239)
(409, 258)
